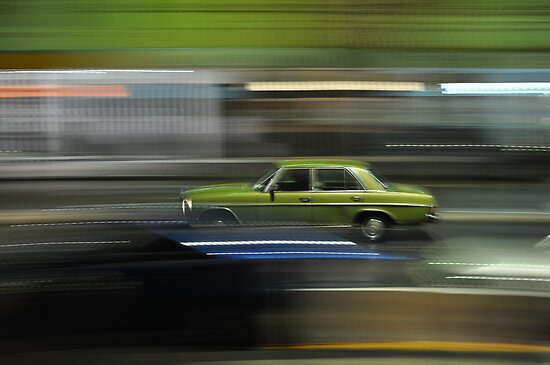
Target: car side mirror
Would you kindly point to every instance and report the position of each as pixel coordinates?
(272, 191)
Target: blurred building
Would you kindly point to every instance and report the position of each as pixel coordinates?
(405, 118)
(348, 78)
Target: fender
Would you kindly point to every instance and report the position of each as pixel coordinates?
(362, 212)
(216, 208)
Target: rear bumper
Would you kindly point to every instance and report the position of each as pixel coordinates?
(433, 217)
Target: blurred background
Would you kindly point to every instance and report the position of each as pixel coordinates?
(108, 108)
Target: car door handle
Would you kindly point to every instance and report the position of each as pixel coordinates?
(356, 198)
(304, 200)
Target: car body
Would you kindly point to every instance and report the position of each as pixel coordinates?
(313, 191)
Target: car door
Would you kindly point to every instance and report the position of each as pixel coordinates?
(336, 197)
(287, 198)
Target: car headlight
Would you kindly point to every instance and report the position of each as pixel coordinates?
(186, 205)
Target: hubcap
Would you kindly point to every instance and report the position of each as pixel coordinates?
(373, 228)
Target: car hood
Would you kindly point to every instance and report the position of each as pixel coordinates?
(220, 189)
(406, 188)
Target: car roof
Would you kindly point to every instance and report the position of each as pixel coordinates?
(316, 162)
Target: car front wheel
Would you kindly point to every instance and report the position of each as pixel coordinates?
(374, 228)
(218, 218)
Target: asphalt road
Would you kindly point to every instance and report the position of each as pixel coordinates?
(446, 254)
(491, 224)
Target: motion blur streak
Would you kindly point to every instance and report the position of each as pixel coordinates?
(30, 91)
(540, 88)
(429, 346)
(500, 278)
(335, 85)
(121, 121)
(102, 71)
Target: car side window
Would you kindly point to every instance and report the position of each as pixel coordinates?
(293, 180)
(335, 179)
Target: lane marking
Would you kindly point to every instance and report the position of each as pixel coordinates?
(104, 207)
(471, 145)
(34, 262)
(97, 222)
(62, 243)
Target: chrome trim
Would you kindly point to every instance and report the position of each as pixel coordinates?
(323, 204)
(340, 191)
(317, 166)
(433, 217)
(378, 204)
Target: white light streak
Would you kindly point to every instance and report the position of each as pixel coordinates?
(510, 266)
(268, 242)
(335, 86)
(545, 242)
(297, 253)
(98, 71)
(499, 278)
(494, 212)
(496, 88)
(444, 290)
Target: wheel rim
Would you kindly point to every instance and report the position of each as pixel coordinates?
(373, 228)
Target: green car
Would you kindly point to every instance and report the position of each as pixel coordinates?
(314, 192)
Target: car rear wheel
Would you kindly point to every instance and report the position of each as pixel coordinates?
(374, 228)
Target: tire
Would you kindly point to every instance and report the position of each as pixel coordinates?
(374, 228)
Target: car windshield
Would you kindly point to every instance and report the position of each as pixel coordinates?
(379, 177)
(265, 177)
